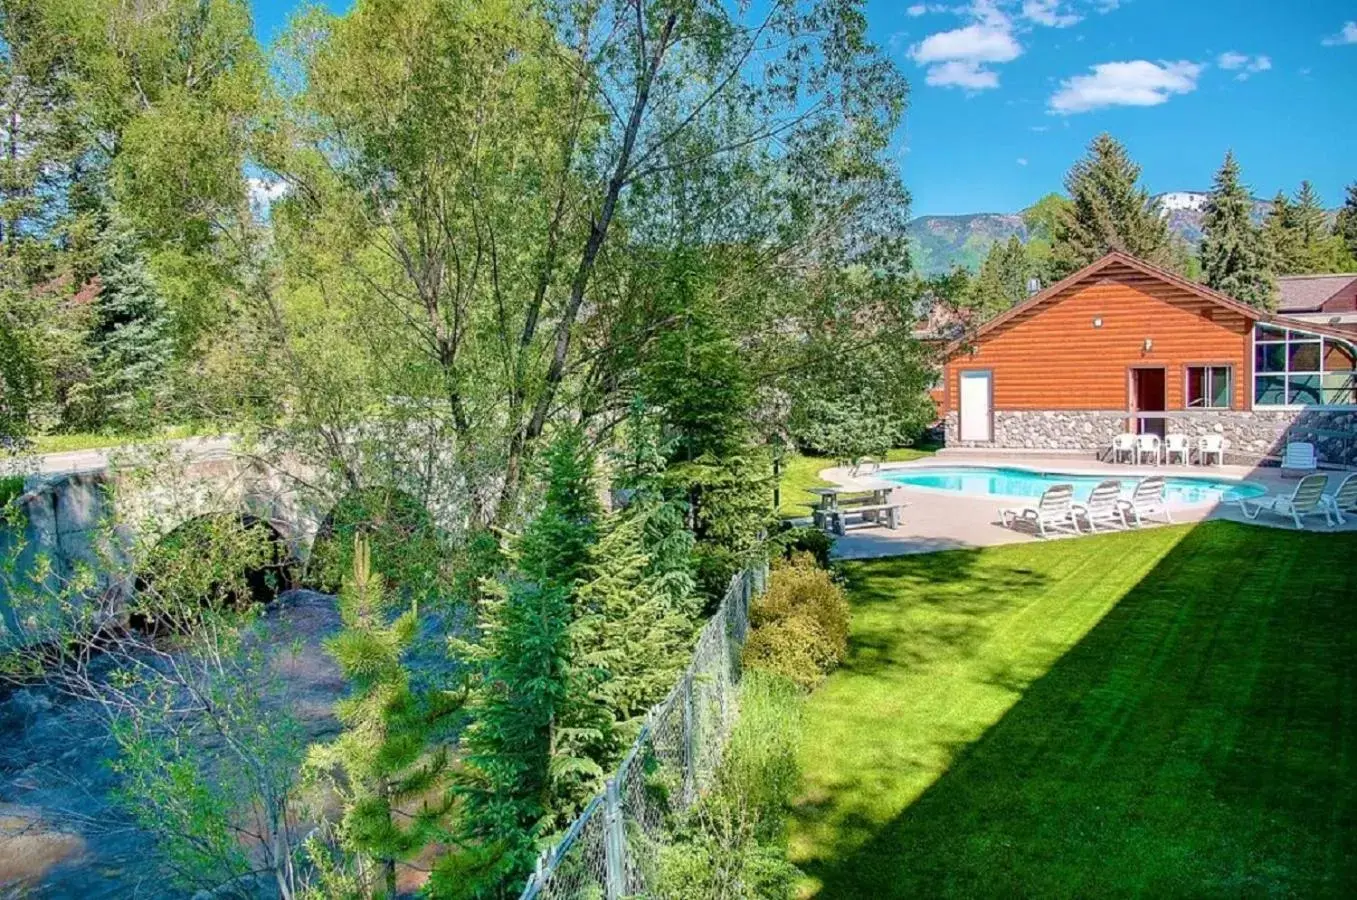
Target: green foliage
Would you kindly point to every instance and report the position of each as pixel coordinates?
(385, 766)
(733, 844)
(1234, 256)
(131, 340)
(1002, 281)
(407, 547)
(790, 542)
(1109, 210)
(1345, 223)
(1297, 235)
(538, 731)
(799, 627)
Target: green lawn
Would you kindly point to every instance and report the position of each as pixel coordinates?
(801, 473)
(1167, 713)
(66, 443)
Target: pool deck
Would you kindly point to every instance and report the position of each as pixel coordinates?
(936, 520)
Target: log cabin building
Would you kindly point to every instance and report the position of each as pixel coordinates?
(1123, 345)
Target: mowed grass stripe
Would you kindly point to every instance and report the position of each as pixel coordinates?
(1166, 712)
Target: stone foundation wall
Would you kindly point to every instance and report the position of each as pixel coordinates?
(1249, 436)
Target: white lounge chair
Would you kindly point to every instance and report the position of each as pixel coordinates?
(1054, 510)
(1147, 499)
(1344, 499)
(1104, 505)
(1299, 458)
(1147, 443)
(1176, 443)
(1306, 500)
(1211, 445)
(1123, 443)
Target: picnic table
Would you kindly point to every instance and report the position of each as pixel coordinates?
(870, 502)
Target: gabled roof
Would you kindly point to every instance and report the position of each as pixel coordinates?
(1116, 257)
(1307, 293)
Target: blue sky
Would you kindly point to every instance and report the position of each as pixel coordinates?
(1006, 94)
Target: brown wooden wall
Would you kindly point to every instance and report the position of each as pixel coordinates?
(1343, 301)
(1052, 357)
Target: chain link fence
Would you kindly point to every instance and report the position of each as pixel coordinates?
(612, 850)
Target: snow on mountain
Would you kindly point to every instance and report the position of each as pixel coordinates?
(1182, 200)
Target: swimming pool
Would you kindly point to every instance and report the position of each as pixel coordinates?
(1179, 490)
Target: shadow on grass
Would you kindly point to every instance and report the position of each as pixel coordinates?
(1197, 741)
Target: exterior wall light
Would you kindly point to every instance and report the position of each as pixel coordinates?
(1149, 345)
(1097, 321)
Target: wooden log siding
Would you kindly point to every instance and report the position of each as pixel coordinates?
(1052, 356)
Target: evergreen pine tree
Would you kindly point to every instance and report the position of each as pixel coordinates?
(383, 764)
(1233, 255)
(132, 338)
(1109, 211)
(1281, 236)
(1345, 225)
(1002, 281)
(538, 731)
(1310, 218)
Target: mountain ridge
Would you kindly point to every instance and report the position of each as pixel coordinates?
(939, 243)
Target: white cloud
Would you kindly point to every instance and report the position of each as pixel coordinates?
(1022, 161)
(1039, 128)
(978, 43)
(1050, 13)
(1346, 35)
(962, 74)
(959, 58)
(1244, 64)
(917, 9)
(1136, 83)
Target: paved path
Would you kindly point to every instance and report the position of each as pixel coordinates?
(935, 520)
(103, 457)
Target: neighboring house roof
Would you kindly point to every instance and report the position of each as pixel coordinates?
(1307, 293)
(1118, 258)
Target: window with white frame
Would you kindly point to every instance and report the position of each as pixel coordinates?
(1299, 368)
(1208, 387)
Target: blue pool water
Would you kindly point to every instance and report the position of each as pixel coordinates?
(1179, 490)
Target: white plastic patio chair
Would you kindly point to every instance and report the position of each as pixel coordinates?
(1299, 457)
(1147, 443)
(1176, 443)
(1103, 505)
(1123, 443)
(1344, 499)
(1147, 499)
(1211, 445)
(1306, 500)
(1055, 510)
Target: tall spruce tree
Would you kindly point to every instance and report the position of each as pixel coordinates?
(1233, 255)
(1281, 236)
(538, 730)
(132, 338)
(1345, 225)
(1110, 211)
(1002, 281)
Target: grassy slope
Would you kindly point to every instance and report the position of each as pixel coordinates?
(801, 473)
(1165, 713)
(66, 443)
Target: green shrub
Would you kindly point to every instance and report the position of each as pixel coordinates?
(805, 539)
(733, 844)
(800, 625)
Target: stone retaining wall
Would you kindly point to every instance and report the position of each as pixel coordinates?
(1249, 436)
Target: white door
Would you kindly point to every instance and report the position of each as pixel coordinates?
(975, 408)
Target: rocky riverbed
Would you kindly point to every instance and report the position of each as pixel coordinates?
(61, 835)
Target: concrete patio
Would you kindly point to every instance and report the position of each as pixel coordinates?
(938, 520)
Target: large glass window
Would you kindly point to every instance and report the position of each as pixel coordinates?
(1208, 387)
(1297, 368)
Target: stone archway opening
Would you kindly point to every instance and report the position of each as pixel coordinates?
(221, 561)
